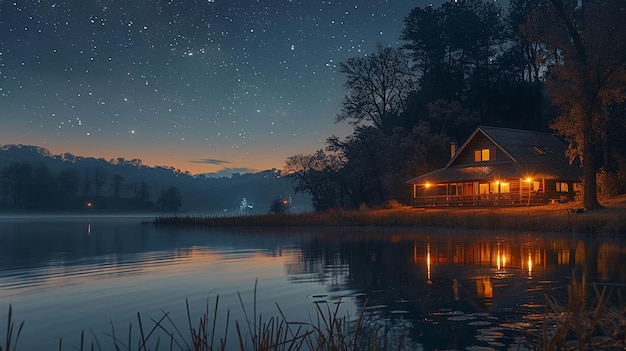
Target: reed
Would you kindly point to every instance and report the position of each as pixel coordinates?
(540, 218)
(584, 321)
(10, 339)
(330, 332)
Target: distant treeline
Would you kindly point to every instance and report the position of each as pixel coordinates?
(32, 179)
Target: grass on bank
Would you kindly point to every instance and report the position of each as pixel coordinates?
(327, 331)
(547, 218)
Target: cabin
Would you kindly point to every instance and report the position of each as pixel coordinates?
(501, 167)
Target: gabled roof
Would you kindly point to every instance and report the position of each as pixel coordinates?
(536, 154)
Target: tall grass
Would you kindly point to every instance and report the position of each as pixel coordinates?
(10, 339)
(327, 331)
(539, 218)
(584, 321)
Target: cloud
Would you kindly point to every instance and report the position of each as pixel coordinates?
(211, 161)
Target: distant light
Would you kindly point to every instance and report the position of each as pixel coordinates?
(427, 185)
(89, 204)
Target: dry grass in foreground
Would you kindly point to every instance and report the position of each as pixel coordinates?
(547, 218)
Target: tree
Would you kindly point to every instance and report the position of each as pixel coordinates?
(279, 206)
(317, 175)
(99, 179)
(142, 193)
(378, 87)
(170, 199)
(463, 54)
(68, 183)
(16, 179)
(117, 184)
(588, 75)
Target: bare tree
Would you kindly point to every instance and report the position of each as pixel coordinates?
(378, 88)
(99, 179)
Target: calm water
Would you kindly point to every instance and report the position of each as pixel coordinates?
(425, 288)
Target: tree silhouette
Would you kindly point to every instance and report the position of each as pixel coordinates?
(378, 87)
(170, 199)
(588, 74)
(117, 184)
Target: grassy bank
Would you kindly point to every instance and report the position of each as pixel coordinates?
(547, 218)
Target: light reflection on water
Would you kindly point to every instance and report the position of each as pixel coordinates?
(428, 288)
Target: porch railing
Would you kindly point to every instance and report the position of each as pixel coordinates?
(478, 200)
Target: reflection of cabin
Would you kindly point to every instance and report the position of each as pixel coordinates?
(499, 166)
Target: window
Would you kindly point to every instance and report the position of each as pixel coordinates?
(500, 187)
(455, 188)
(562, 187)
(483, 188)
(505, 187)
(481, 155)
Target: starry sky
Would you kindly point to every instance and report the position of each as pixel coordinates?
(202, 86)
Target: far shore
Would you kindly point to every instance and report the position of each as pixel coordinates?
(567, 217)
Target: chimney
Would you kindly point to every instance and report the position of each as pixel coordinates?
(453, 147)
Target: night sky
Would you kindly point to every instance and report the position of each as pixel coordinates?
(197, 85)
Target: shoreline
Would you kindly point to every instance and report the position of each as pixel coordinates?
(546, 218)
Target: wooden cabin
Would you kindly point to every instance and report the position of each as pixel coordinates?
(501, 167)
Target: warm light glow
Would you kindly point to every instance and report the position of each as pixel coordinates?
(530, 264)
(501, 260)
(428, 264)
(528, 180)
(89, 204)
(427, 185)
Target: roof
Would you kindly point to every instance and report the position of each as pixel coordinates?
(536, 154)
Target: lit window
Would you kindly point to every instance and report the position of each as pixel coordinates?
(483, 188)
(562, 187)
(505, 187)
(485, 153)
(481, 155)
(499, 187)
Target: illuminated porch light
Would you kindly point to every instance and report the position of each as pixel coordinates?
(427, 185)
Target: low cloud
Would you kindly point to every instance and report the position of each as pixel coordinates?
(228, 172)
(211, 161)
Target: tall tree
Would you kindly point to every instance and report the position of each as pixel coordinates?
(588, 76)
(378, 86)
(99, 179)
(117, 184)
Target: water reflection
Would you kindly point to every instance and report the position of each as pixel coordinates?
(442, 282)
(425, 289)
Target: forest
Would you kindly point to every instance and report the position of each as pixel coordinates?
(34, 180)
(543, 65)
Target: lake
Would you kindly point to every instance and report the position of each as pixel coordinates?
(423, 288)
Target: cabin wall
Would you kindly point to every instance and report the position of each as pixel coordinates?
(561, 191)
(479, 142)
